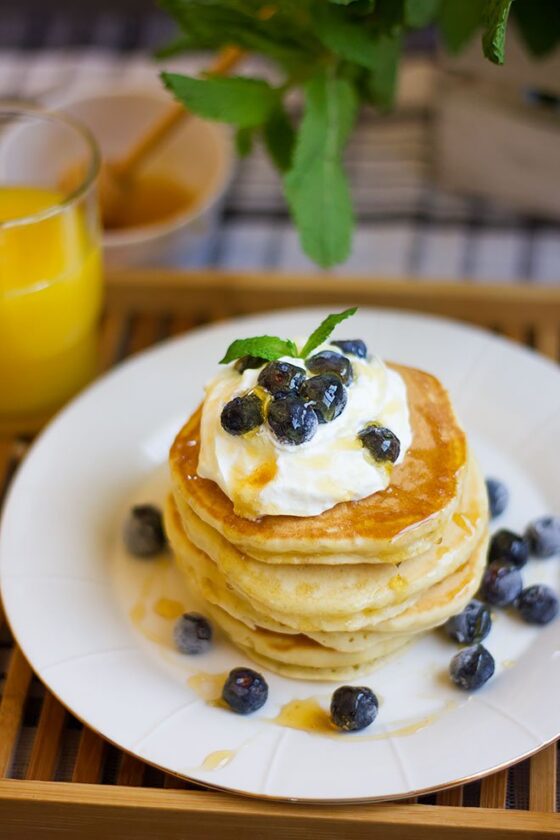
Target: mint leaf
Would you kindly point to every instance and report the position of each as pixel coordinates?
(316, 187)
(419, 13)
(348, 39)
(266, 346)
(539, 24)
(494, 38)
(325, 328)
(382, 82)
(279, 137)
(238, 100)
(244, 140)
(459, 21)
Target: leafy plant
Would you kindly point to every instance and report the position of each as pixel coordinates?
(341, 54)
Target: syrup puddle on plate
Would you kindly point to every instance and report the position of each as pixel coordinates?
(309, 716)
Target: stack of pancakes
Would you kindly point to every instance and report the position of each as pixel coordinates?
(325, 597)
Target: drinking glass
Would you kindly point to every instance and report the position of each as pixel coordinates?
(50, 265)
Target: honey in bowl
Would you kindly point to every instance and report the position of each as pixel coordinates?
(149, 199)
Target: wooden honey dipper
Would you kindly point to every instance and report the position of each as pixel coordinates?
(116, 176)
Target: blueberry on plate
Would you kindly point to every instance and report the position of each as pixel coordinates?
(355, 347)
(192, 634)
(498, 496)
(470, 626)
(291, 420)
(245, 690)
(472, 667)
(330, 362)
(242, 414)
(501, 584)
(143, 531)
(509, 548)
(537, 604)
(281, 377)
(353, 707)
(248, 363)
(543, 536)
(325, 394)
(382, 443)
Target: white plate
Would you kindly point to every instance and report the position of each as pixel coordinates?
(69, 589)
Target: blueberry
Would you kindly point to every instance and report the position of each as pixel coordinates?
(192, 633)
(291, 420)
(543, 536)
(471, 667)
(353, 707)
(509, 548)
(471, 625)
(381, 442)
(281, 377)
(326, 395)
(330, 362)
(241, 414)
(248, 362)
(498, 496)
(143, 531)
(537, 604)
(355, 346)
(501, 584)
(245, 690)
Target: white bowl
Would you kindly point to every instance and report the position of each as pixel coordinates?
(198, 154)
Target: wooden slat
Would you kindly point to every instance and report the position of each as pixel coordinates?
(516, 332)
(181, 324)
(145, 332)
(547, 340)
(42, 761)
(11, 706)
(451, 796)
(493, 790)
(542, 780)
(189, 292)
(89, 758)
(173, 782)
(96, 811)
(131, 771)
(111, 334)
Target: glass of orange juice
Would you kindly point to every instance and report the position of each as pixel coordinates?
(50, 265)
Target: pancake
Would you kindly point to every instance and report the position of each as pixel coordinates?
(390, 526)
(346, 589)
(202, 574)
(432, 608)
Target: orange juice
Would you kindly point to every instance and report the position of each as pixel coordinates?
(50, 297)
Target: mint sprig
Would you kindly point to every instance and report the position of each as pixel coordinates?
(341, 54)
(325, 328)
(270, 347)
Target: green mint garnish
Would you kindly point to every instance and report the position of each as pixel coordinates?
(325, 328)
(271, 347)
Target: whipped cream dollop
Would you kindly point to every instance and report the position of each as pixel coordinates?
(263, 476)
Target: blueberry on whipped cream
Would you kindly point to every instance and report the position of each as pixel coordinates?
(353, 347)
(281, 377)
(330, 362)
(325, 394)
(282, 437)
(242, 414)
(291, 420)
(248, 362)
(382, 443)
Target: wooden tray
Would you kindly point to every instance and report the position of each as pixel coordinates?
(59, 779)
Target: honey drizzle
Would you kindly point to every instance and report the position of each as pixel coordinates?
(218, 759)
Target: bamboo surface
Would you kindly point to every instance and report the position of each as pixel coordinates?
(145, 307)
